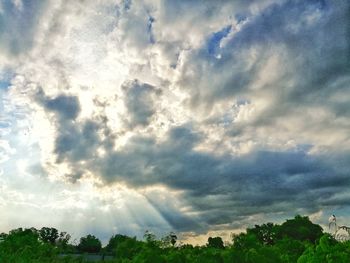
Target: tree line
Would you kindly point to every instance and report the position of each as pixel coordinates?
(296, 240)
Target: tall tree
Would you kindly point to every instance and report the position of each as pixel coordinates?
(48, 235)
(300, 228)
(215, 242)
(90, 244)
(265, 233)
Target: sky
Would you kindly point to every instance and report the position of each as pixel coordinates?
(198, 117)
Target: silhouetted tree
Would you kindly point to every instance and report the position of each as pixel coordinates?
(90, 244)
(265, 233)
(63, 242)
(300, 228)
(114, 241)
(48, 235)
(173, 238)
(149, 236)
(169, 240)
(215, 242)
(128, 248)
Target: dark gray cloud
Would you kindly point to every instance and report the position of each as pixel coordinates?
(75, 141)
(311, 37)
(66, 106)
(224, 188)
(139, 101)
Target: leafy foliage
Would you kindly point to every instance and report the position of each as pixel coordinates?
(296, 240)
(89, 244)
(24, 245)
(215, 242)
(48, 234)
(300, 228)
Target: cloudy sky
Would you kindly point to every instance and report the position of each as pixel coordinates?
(198, 117)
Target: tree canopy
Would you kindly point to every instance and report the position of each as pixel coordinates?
(296, 240)
(90, 244)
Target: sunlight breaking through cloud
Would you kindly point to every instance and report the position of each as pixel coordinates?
(172, 115)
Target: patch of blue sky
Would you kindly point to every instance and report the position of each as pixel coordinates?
(5, 116)
(5, 78)
(30, 10)
(4, 124)
(342, 212)
(8, 7)
(213, 43)
(4, 84)
(17, 24)
(13, 17)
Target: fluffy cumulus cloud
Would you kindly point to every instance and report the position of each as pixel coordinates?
(190, 116)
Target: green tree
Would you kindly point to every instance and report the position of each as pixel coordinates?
(62, 243)
(175, 256)
(124, 247)
(48, 235)
(263, 254)
(2, 236)
(89, 244)
(290, 249)
(296, 240)
(128, 249)
(327, 250)
(173, 238)
(114, 241)
(215, 242)
(245, 241)
(265, 233)
(24, 245)
(300, 228)
(149, 237)
(169, 240)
